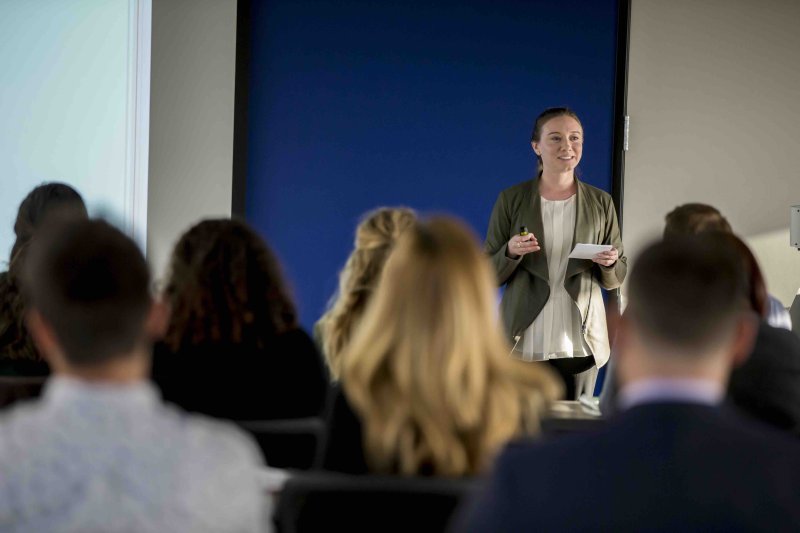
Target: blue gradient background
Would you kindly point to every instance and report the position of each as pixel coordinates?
(357, 104)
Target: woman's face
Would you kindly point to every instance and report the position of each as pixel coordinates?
(560, 145)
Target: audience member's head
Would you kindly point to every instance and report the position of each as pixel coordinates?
(87, 286)
(428, 369)
(689, 313)
(756, 287)
(225, 286)
(691, 219)
(43, 202)
(375, 237)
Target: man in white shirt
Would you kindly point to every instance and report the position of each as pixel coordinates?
(674, 459)
(100, 451)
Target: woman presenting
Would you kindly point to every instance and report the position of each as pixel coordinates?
(552, 305)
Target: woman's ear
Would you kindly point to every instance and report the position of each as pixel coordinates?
(535, 147)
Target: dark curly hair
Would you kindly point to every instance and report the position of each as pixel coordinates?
(46, 200)
(225, 285)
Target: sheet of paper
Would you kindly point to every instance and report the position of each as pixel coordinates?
(587, 251)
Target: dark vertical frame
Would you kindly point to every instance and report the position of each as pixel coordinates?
(620, 104)
(613, 304)
(240, 107)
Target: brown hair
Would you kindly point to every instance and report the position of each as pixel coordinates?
(375, 237)
(428, 369)
(541, 120)
(91, 284)
(43, 202)
(690, 219)
(226, 285)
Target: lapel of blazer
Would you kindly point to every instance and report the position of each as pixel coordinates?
(584, 230)
(530, 214)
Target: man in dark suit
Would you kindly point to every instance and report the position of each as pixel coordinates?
(674, 459)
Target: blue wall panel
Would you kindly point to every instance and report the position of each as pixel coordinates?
(357, 104)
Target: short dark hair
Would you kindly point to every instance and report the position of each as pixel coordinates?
(691, 219)
(91, 285)
(687, 292)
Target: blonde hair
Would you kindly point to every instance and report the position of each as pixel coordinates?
(429, 369)
(375, 237)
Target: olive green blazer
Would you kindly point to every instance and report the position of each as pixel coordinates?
(526, 278)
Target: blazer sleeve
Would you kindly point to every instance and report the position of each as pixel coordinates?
(497, 237)
(612, 277)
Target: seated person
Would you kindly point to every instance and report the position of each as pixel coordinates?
(18, 355)
(233, 348)
(675, 459)
(428, 386)
(100, 451)
(767, 386)
(376, 235)
(690, 219)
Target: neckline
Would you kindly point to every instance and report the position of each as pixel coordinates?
(572, 197)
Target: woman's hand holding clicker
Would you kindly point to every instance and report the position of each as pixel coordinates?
(521, 245)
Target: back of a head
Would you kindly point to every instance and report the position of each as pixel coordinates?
(429, 363)
(90, 283)
(226, 286)
(42, 202)
(375, 238)
(686, 293)
(694, 218)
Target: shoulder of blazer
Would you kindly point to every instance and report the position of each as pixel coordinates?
(518, 189)
(513, 194)
(597, 194)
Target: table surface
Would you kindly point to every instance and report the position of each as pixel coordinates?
(572, 410)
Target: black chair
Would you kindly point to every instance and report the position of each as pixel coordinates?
(290, 444)
(325, 501)
(13, 389)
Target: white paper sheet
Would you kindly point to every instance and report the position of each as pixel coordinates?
(587, 251)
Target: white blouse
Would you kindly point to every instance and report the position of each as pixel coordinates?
(556, 332)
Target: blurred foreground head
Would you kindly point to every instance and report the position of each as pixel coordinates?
(376, 236)
(428, 368)
(688, 308)
(226, 286)
(87, 285)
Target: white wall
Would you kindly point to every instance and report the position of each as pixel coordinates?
(715, 118)
(191, 119)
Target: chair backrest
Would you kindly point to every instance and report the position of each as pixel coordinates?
(324, 501)
(13, 389)
(289, 444)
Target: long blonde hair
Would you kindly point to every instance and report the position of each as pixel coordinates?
(429, 370)
(376, 235)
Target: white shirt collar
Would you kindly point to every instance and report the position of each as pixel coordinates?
(685, 390)
(60, 390)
